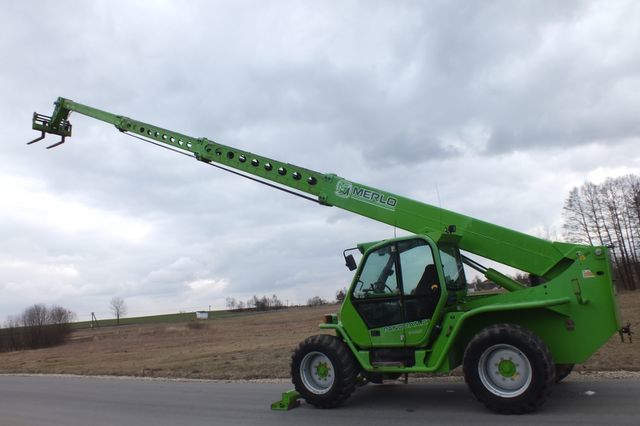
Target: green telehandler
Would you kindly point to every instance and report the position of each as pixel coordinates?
(407, 309)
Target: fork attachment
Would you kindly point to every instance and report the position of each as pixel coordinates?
(45, 124)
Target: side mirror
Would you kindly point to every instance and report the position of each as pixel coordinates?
(350, 262)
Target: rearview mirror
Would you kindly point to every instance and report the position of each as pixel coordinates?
(350, 262)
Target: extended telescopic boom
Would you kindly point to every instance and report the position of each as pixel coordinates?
(521, 251)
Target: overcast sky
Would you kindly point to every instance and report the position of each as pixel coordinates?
(500, 107)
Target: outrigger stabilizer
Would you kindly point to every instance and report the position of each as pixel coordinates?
(290, 400)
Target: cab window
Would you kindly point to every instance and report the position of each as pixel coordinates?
(415, 259)
(452, 267)
(378, 277)
(420, 280)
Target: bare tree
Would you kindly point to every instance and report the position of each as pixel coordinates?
(39, 326)
(265, 303)
(316, 301)
(118, 307)
(60, 316)
(262, 303)
(34, 319)
(275, 303)
(608, 214)
(59, 320)
(14, 335)
(577, 222)
(232, 303)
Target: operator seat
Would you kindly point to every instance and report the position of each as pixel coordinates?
(428, 286)
(427, 282)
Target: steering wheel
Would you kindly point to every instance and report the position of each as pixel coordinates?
(365, 291)
(379, 287)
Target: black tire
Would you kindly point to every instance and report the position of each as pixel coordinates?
(324, 371)
(509, 369)
(562, 371)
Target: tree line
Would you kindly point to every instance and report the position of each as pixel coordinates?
(608, 214)
(38, 326)
(264, 303)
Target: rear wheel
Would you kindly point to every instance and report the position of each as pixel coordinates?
(562, 371)
(324, 371)
(509, 369)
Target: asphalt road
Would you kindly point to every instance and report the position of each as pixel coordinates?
(50, 400)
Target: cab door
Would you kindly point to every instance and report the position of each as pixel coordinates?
(421, 288)
(377, 297)
(397, 291)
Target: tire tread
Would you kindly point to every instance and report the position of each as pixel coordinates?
(345, 365)
(544, 375)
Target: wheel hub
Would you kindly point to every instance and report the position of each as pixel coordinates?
(322, 370)
(507, 368)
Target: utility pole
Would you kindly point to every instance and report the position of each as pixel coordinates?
(94, 321)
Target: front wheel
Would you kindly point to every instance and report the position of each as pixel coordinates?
(509, 369)
(324, 371)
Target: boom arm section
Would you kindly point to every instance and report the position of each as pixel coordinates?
(521, 251)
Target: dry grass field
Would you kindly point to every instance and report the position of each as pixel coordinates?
(242, 347)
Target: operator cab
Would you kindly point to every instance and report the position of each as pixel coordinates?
(401, 284)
